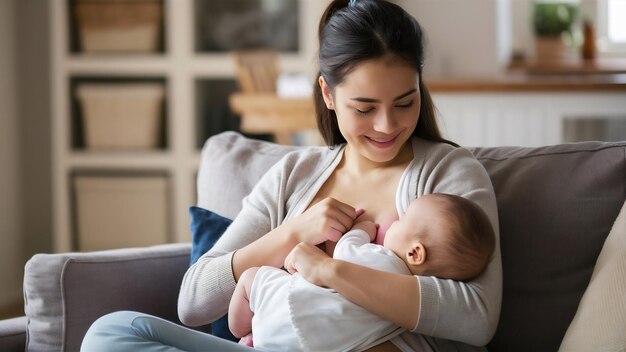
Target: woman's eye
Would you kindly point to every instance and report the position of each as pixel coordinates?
(406, 105)
(363, 112)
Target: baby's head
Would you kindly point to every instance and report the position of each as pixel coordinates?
(443, 235)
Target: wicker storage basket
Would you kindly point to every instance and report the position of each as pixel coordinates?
(119, 25)
(121, 116)
(121, 211)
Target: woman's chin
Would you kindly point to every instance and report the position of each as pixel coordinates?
(383, 151)
(378, 155)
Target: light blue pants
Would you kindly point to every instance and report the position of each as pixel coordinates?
(132, 331)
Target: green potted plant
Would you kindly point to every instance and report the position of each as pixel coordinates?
(552, 20)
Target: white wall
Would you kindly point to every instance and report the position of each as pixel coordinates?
(10, 205)
(24, 141)
(34, 123)
(478, 37)
(464, 38)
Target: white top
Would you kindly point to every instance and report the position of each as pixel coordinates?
(461, 311)
(291, 314)
(346, 326)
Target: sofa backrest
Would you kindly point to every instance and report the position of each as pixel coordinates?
(556, 205)
(230, 166)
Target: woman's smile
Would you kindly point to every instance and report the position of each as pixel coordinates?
(383, 143)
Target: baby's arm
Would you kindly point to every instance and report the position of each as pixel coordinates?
(367, 226)
(239, 312)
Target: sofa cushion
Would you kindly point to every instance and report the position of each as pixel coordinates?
(600, 321)
(206, 228)
(230, 167)
(556, 206)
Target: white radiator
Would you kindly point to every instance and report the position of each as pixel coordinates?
(522, 119)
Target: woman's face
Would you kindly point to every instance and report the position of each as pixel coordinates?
(377, 107)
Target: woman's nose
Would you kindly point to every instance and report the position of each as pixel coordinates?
(385, 122)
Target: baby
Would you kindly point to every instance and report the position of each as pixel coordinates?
(439, 235)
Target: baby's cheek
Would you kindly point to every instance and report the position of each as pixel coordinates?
(384, 225)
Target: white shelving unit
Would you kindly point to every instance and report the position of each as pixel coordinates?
(181, 67)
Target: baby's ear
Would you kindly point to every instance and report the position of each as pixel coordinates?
(416, 255)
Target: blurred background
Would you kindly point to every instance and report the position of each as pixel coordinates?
(106, 104)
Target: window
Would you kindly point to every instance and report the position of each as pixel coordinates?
(612, 26)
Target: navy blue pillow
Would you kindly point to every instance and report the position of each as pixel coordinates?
(206, 228)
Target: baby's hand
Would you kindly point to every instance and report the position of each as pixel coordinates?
(368, 226)
(247, 340)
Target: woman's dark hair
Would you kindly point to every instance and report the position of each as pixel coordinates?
(369, 29)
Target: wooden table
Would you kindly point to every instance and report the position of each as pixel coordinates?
(571, 66)
(268, 113)
(520, 82)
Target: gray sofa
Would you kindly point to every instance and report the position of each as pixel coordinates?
(556, 206)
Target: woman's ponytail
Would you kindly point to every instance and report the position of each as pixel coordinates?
(328, 13)
(326, 118)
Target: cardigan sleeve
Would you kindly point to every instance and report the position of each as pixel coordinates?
(461, 311)
(208, 285)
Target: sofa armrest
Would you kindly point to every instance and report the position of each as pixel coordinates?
(64, 293)
(13, 334)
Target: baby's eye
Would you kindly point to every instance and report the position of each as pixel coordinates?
(406, 105)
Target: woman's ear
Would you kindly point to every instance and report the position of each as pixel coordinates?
(416, 254)
(328, 97)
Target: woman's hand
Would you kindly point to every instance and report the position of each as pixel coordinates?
(309, 261)
(326, 220)
(329, 219)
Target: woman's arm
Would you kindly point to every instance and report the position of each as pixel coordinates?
(368, 288)
(208, 285)
(259, 237)
(329, 219)
(454, 310)
(364, 286)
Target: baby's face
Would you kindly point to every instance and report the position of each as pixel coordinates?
(422, 214)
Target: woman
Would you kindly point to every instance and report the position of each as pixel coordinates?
(376, 115)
